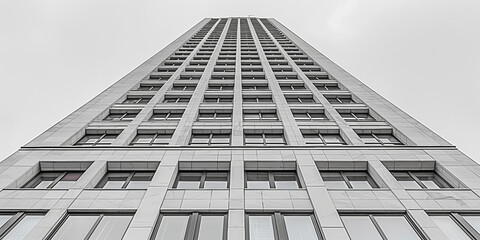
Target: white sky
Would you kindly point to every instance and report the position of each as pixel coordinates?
(422, 55)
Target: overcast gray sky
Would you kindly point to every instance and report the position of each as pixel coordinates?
(422, 55)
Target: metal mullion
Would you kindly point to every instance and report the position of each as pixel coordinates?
(280, 226)
(57, 180)
(123, 116)
(321, 138)
(264, 139)
(203, 177)
(167, 116)
(127, 181)
(191, 226)
(465, 226)
(417, 180)
(309, 116)
(95, 225)
(215, 116)
(210, 139)
(377, 226)
(99, 139)
(355, 116)
(346, 180)
(10, 223)
(271, 179)
(378, 139)
(153, 139)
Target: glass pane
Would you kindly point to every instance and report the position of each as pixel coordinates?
(64, 185)
(388, 139)
(431, 180)
(211, 228)
(107, 140)
(333, 180)
(75, 228)
(333, 139)
(360, 180)
(285, 180)
(44, 184)
(396, 228)
(258, 180)
(189, 180)
(4, 219)
(261, 228)
(368, 138)
(449, 227)
(406, 180)
(140, 180)
(300, 228)
(216, 180)
(172, 228)
(474, 221)
(111, 228)
(23, 227)
(113, 184)
(360, 228)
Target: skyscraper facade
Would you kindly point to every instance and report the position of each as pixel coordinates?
(237, 130)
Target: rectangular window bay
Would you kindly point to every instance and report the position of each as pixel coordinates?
(191, 226)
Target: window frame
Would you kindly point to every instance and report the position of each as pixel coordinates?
(123, 116)
(345, 175)
(211, 134)
(129, 174)
(264, 139)
(271, 178)
(166, 118)
(379, 140)
(193, 225)
(98, 141)
(354, 118)
(152, 140)
(100, 216)
(445, 184)
(214, 118)
(203, 178)
(462, 223)
(417, 229)
(279, 224)
(322, 138)
(31, 182)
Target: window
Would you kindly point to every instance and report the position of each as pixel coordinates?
(166, 116)
(379, 139)
(18, 225)
(270, 179)
(55, 180)
(215, 87)
(357, 117)
(262, 116)
(256, 87)
(330, 139)
(378, 227)
(263, 139)
(137, 100)
(152, 139)
(282, 226)
(121, 116)
(309, 116)
(184, 87)
(207, 139)
(420, 179)
(204, 180)
(149, 87)
(457, 226)
(300, 100)
(176, 99)
(327, 86)
(339, 99)
(93, 226)
(222, 99)
(126, 180)
(347, 180)
(253, 99)
(97, 139)
(215, 116)
(292, 87)
(192, 226)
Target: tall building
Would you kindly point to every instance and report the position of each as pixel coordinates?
(237, 130)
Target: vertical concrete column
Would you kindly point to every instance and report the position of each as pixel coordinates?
(130, 131)
(291, 130)
(236, 213)
(147, 213)
(347, 132)
(324, 209)
(182, 134)
(237, 116)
